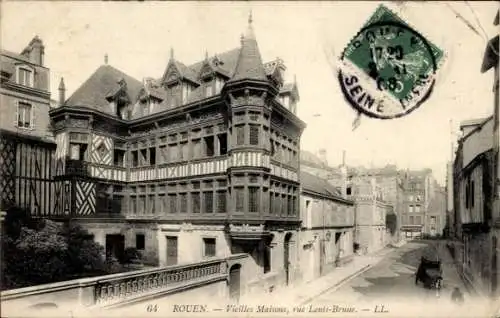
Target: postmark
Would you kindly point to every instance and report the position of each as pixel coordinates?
(388, 69)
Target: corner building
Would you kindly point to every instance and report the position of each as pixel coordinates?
(200, 163)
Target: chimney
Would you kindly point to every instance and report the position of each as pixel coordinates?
(35, 51)
(322, 156)
(62, 92)
(343, 173)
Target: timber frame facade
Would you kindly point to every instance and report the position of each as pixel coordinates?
(216, 143)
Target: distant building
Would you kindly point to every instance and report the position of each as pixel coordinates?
(327, 233)
(371, 231)
(423, 211)
(25, 91)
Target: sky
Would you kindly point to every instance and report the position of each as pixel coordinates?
(308, 36)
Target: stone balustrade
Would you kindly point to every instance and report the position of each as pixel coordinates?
(123, 288)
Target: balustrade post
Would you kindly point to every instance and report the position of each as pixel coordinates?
(87, 292)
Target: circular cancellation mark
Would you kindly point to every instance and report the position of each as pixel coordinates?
(387, 70)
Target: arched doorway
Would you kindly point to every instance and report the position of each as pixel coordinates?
(234, 282)
(494, 269)
(286, 258)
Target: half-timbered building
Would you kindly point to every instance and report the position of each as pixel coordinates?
(203, 160)
(26, 147)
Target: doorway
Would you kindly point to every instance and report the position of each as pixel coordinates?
(286, 258)
(172, 243)
(115, 246)
(234, 282)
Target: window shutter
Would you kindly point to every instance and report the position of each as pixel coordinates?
(16, 114)
(33, 119)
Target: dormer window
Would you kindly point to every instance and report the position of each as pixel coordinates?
(25, 76)
(209, 90)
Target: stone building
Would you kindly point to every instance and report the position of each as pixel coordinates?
(326, 237)
(201, 162)
(371, 233)
(25, 91)
(473, 187)
(26, 143)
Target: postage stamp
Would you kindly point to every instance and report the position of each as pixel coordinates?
(388, 69)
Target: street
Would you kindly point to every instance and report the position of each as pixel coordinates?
(389, 287)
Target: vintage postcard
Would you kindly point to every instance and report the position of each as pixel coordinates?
(250, 159)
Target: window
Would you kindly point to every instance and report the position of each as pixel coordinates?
(267, 257)
(290, 205)
(209, 91)
(209, 146)
(140, 241)
(196, 148)
(161, 201)
(417, 208)
(184, 151)
(152, 156)
(208, 200)
(195, 197)
(209, 247)
(308, 213)
(222, 144)
(410, 208)
(221, 201)
(24, 115)
(433, 220)
(133, 204)
(253, 199)
(163, 154)
(184, 202)
(172, 198)
(151, 203)
(254, 134)
(25, 77)
(472, 194)
(412, 222)
(135, 158)
(240, 135)
(240, 197)
(118, 157)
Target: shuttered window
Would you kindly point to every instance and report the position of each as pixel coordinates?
(24, 114)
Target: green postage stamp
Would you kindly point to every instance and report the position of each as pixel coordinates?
(388, 69)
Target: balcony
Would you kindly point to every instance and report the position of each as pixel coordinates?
(88, 169)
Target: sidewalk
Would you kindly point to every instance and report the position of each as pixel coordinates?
(302, 293)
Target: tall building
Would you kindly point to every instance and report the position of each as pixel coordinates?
(26, 143)
(423, 211)
(25, 91)
(202, 160)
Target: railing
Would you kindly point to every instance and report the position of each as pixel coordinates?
(119, 289)
(122, 288)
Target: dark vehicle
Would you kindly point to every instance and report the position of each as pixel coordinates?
(429, 273)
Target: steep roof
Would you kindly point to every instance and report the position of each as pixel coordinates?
(490, 58)
(93, 92)
(314, 184)
(249, 64)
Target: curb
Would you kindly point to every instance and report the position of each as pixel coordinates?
(339, 283)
